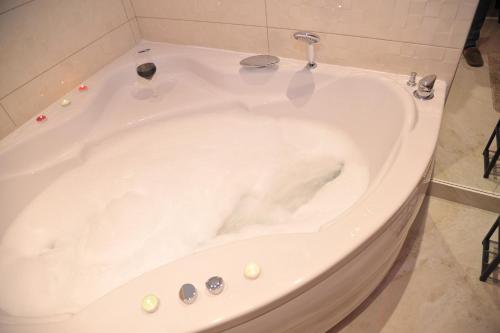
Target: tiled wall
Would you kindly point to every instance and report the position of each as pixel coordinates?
(392, 35)
(47, 47)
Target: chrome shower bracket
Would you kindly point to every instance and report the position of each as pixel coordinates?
(311, 39)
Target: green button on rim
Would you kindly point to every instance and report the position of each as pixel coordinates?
(150, 303)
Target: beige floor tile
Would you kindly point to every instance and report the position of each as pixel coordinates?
(463, 229)
(460, 227)
(469, 119)
(434, 286)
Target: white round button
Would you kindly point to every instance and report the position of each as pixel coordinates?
(65, 102)
(252, 271)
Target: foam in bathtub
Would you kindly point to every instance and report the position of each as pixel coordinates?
(151, 195)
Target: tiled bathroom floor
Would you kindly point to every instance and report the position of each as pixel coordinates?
(434, 286)
(468, 121)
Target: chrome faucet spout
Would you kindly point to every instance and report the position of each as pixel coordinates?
(425, 88)
(311, 39)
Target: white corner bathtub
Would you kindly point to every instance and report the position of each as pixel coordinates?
(310, 279)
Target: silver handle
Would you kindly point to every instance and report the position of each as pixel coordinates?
(425, 89)
(412, 81)
(427, 82)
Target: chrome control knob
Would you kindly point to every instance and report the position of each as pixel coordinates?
(215, 285)
(425, 89)
(412, 81)
(188, 293)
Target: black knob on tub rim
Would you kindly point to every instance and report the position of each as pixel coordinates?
(146, 70)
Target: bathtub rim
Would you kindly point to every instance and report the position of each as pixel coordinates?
(430, 121)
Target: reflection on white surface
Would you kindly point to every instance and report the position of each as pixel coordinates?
(301, 87)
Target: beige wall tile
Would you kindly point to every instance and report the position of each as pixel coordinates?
(397, 36)
(134, 26)
(44, 39)
(217, 35)
(391, 56)
(250, 12)
(432, 22)
(6, 5)
(6, 124)
(27, 101)
(39, 34)
(129, 8)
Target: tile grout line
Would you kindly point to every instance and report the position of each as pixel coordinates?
(132, 31)
(135, 18)
(199, 21)
(124, 9)
(15, 7)
(267, 28)
(375, 38)
(8, 115)
(64, 59)
(291, 29)
(133, 8)
(129, 19)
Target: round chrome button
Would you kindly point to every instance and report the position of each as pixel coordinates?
(260, 61)
(215, 285)
(188, 293)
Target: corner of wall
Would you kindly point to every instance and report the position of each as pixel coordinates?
(47, 69)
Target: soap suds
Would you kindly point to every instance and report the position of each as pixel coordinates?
(160, 192)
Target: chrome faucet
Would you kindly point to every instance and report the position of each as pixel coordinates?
(311, 39)
(412, 80)
(425, 88)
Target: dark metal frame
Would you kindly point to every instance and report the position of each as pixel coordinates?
(490, 164)
(497, 6)
(488, 267)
